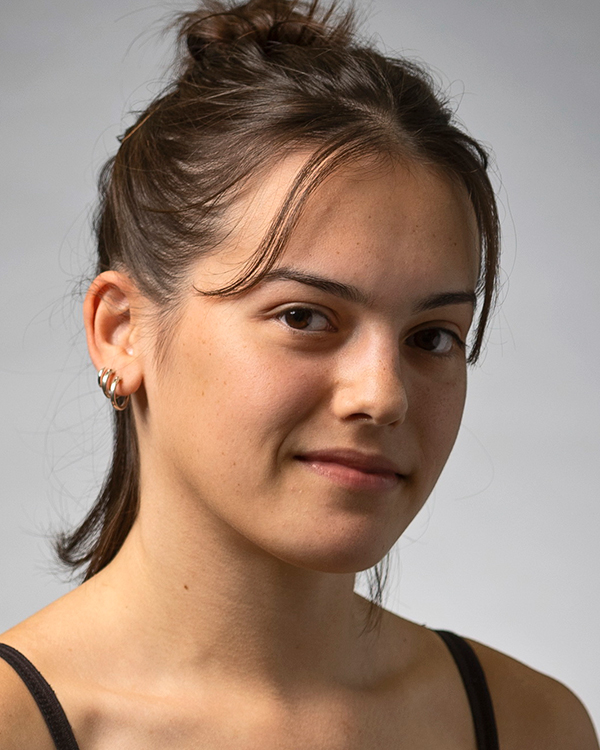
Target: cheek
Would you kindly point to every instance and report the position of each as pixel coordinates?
(241, 400)
(438, 413)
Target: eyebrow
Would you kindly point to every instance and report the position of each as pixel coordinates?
(353, 294)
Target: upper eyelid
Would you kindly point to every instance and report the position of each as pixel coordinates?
(435, 327)
(341, 300)
(286, 307)
(452, 327)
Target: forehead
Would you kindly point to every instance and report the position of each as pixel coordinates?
(380, 219)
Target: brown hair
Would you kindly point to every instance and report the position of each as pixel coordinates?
(254, 82)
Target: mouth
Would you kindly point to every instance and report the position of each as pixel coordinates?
(369, 463)
(347, 474)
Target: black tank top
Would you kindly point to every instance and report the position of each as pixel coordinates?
(467, 662)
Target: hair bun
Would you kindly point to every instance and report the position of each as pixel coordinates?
(262, 24)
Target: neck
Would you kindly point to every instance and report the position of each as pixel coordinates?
(211, 603)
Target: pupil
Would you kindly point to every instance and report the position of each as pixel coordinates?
(299, 318)
(429, 339)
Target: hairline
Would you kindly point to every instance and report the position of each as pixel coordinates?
(379, 152)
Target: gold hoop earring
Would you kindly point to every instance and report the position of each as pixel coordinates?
(108, 381)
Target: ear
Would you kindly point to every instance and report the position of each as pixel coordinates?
(111, 313)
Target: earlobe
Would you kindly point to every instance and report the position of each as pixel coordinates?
(111, 316)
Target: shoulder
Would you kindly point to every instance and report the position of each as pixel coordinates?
(21, 723)
(533, 711)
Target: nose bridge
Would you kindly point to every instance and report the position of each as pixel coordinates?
(371, 380)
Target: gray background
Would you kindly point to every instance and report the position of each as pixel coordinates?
(506, 551)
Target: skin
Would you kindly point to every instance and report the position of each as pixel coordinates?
(228, 618)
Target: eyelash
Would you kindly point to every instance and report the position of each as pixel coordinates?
(330, 327)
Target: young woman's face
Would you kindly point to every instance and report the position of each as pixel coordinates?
(312, 415)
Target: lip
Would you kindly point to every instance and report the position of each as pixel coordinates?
(352, 469)
(369, 463)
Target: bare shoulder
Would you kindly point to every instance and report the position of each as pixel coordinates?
(21, 723)
(533, 711)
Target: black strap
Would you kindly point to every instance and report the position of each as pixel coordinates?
(470, 669)
(44, 696)
(480, 700)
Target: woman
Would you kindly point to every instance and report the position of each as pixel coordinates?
(294, 241)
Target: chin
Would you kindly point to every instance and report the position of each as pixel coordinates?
(351, 555)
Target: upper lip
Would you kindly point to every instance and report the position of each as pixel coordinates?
(370, 462)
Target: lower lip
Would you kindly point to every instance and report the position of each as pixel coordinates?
(354, 479)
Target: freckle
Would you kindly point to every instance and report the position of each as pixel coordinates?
(186, 587)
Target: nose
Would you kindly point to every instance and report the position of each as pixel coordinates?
(370, 385)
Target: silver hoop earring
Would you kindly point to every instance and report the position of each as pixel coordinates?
(108, 381)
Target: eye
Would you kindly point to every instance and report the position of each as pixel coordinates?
(435, 340)
(305, 319)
